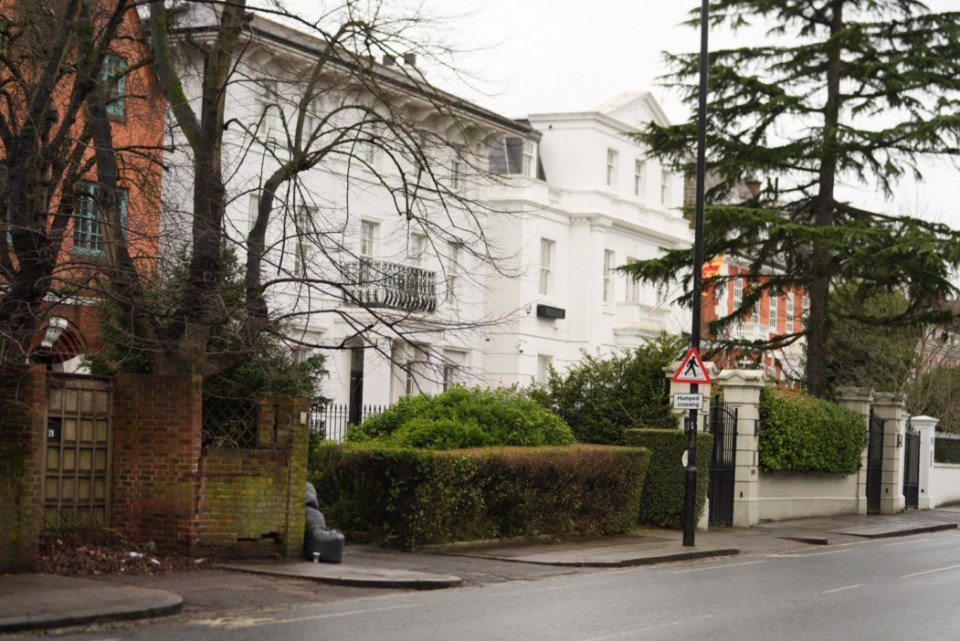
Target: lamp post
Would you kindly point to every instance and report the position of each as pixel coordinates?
(690, 473)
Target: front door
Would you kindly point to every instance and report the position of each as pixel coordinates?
(77, 456)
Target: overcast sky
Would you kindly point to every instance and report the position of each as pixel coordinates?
(533, 56)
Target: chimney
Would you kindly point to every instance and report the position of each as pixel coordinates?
(389, 60)
(410, 59)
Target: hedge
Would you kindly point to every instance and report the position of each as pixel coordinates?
(800, 433)
(410, 497)
(662, 503)
(463, 417)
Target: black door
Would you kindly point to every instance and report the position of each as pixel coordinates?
(355, 409)
(911, 468)
(723, 464)
(874, 464)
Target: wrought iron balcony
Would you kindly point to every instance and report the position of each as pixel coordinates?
(378, 283)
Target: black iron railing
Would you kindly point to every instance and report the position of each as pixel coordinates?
(379, 283)
(330, 422)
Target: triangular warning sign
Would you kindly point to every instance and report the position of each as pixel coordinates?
(692, 369)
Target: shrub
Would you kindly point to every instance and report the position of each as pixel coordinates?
(409, 497)
(463, 417)
(801, 433)
(663, 490)
(600, 398)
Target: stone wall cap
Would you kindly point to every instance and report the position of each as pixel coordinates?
(892, 398)
(852, 392)
(742, 375)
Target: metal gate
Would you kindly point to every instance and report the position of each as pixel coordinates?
(911, 467)
(874, 463)
(723, 464)
(77, 456)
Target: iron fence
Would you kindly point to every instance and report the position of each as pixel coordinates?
(946, 448)
(330, 421)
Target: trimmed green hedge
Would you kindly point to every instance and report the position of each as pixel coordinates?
(800, 433)
(463, 417)
(411, 497)
(664, 488)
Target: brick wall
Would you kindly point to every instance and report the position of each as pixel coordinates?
(22, 424)
(169, 489)
(251, 500)
(156, 454)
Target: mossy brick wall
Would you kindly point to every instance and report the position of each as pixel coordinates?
(251, 500)
(22, 422)
(157, 443)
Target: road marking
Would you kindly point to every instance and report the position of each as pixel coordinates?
(251, 622)
(719, 567)
(803, 555)
(849, 587)
(908, 576)
(659, 626)
(886, 545)
(575, 586)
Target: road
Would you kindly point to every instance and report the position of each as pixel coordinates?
(886, 589)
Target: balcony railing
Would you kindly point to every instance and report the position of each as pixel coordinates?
(378, 283)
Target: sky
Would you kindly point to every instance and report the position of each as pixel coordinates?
(535, 56)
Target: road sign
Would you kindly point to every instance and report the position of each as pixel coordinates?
(692, 370)
(688, 401)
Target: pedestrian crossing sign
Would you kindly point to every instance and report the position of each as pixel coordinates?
(691, 369)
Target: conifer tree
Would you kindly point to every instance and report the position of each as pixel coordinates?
(841, 91)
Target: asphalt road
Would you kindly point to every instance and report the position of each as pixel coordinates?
(906, 588)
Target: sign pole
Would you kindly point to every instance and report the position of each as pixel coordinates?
(690, 474)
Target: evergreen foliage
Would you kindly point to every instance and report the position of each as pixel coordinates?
(855, 91)
(601, 397)
(461, 418)
(800, 433)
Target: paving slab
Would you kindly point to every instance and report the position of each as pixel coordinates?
(349, 574)
(43, 601)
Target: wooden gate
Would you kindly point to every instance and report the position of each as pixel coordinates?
(723, 464)
(78, 452)
(874, 463)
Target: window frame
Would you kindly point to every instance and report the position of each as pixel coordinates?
(609, 258)
(613, 159)
(113, 74)
(547, 256)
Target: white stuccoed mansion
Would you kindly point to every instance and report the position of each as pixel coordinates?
(483, 262)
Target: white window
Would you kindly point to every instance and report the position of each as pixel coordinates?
(453, 366)
(611, 168)
(268, 111)
(529, 158)
(303, 226)
(638, 170)
(368, 238)
(253, 209)
(755, 313)
(544, 363)
(790, 311)
(113, 75)
(774, 300)
(417, 249)
(633, 286)
(608, 264)
(454, 267)
(456, 175)
(737, 292)
(664, 186)
(411, 368)
(546, 266)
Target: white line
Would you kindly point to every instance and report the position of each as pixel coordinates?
(803, 555)
(719, 567)
(907, 576)
(659, 626)
(552, 588)
(904, 542)
(849, 587)
(250, 622)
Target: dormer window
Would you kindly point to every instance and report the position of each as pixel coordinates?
(514, 156)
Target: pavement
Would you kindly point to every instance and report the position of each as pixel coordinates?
(38, 601)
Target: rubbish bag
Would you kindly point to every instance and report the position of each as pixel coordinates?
(312, 500)
(315, 518)
(328, 543)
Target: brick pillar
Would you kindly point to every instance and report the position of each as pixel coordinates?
(927, 426)
(860, 400)
(23, 416)
(892, 409)
(741, 389)
(293, 436)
